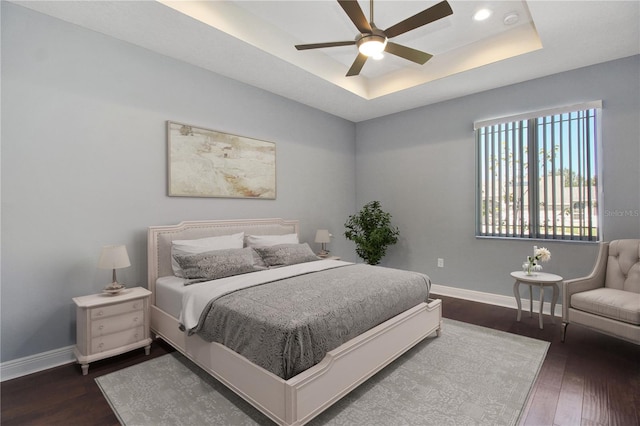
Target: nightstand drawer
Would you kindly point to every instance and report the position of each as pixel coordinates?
(120, 308)
(115, 340)
(117, 323)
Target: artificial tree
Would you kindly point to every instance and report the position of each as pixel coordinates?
(372, 232)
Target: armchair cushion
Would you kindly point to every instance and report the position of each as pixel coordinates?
(612, 303)
(623, 265)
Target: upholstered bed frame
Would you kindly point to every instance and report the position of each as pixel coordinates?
(299, 399)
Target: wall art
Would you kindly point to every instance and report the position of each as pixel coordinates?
(209, 163)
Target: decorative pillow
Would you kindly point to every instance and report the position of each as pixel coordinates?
(202, 245)
(286, 254)
(271, 240)
(216, 264)
(258, 263)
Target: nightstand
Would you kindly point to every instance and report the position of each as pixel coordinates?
(109, 325)
(331, 257)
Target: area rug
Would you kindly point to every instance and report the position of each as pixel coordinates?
(470, 375)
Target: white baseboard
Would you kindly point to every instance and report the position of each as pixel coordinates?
(34, 363)
(43, 361)
(495, 299)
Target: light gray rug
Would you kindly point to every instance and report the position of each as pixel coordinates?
(470, 375)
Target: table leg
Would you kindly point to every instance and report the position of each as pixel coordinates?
(530, 301)
(556, 291)
(516, 293)
(541, 304)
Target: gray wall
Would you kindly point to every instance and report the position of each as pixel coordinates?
(84, 165)
(421, 165)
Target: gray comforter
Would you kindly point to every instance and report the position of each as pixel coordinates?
(289, 325)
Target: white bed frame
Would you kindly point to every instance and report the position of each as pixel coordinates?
(299, 399)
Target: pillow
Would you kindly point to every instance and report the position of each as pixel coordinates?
(216, 264)
(271, 240)
(258, 263)
(234, 241)
(286, 254)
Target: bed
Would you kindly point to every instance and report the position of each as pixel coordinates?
(287, 401)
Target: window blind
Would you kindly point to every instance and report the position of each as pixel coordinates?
(537, 174)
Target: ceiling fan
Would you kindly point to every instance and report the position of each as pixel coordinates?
(372, 41)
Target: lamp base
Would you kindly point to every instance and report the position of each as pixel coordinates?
(323, 253)
(113, 288)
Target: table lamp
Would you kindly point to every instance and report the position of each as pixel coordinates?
(323, 237)
(114, 257)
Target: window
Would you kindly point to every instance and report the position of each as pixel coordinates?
(538, 175)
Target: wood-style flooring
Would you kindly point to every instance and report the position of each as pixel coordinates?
(591, 379)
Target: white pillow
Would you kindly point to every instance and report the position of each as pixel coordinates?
(203, 245)
(271, 240)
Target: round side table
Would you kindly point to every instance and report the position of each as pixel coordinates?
(542, 280)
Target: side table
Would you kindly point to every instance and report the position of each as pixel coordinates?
(542, 280)
(109, 325)
(332, 257)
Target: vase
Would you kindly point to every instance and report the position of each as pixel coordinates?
(528, 269)
(531, 269)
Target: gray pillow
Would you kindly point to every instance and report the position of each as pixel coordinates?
(258, 263)
(216, 264)
(286, 254)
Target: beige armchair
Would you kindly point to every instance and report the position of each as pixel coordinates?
(608, 300)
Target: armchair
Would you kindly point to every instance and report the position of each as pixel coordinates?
(608, 300)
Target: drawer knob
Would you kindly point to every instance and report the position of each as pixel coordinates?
(100, 313)
(136, 335)
(100, 345)
(101, 327)
(135, 319)
(135, 306)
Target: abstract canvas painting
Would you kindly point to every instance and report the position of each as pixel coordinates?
(208, 163)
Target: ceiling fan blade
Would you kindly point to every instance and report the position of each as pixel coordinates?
(425, 17)
(417, 56)
(355, 13)
(321, 45)
(357, 65)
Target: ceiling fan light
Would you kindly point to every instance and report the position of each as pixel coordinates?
(372, 45)
(378, 56)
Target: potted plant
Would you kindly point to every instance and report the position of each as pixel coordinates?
(371, 231)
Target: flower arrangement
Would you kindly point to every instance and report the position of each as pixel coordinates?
(533, 262)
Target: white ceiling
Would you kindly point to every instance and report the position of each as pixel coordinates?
(252, 42)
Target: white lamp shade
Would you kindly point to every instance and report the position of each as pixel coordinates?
(114, 257)
(323, 236)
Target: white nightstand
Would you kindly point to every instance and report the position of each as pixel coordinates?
(109, 325)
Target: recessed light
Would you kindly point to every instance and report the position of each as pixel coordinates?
(482, 14)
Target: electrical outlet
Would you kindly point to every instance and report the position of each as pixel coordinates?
(440, 262)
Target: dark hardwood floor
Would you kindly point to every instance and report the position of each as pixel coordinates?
(591, 379)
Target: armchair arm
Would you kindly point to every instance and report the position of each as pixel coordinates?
(590, 282)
